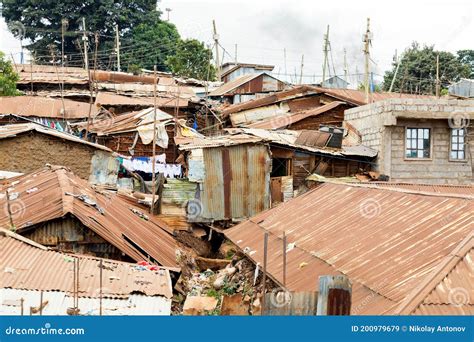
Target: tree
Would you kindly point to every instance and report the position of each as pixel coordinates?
(154, 42)
(192, 59)
(417, 72)
(41, 23)
(467, 57)
(8, 77)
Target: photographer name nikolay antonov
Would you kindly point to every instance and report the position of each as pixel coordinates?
(433, 329)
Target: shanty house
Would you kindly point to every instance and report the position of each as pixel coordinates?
(232, 70)
(58, 209)
(335, 82)
(37, 280)
(400, 255)
(419, 140)
(247, 87)
(28, 147)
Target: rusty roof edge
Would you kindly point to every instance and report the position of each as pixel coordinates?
(416, 297)
(407, 191)
(318, 258)
(11, 234)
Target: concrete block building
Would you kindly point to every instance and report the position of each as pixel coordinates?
(419, 140)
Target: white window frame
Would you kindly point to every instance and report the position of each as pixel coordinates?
(454, 145)
(413, 143)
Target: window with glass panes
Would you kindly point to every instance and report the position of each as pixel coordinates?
(457, 144)
(418, 143)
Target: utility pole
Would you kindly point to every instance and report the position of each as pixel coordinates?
(284, 58)
(216, 44)
(367, 43)
(84, 39)
(345, 66)
(235, 53)
(153, 158)
(117, 46)
(438, 83)
(395, 75)
(325, 50)
(301, 70)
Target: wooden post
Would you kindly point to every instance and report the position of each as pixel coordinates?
(284, 259)
(41, 303)
(334, 297)
(22, 301)
(438, 83)
(264, 278)
(153, 158)
(100, 284)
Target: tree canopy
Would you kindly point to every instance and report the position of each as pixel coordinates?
(8, 77)
(145, 39)
(417, 71)
(192, 59)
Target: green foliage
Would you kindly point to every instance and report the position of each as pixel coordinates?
(467, 57)
(417, 72)
(154, 42)
(41, 23)
(192, 59)
(8, 77)
(377, 87)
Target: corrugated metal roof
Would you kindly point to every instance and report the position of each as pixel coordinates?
(466, 189)
(10, 131)
(355, 97)
(26, 266)
(449, 289)
(45, 107)
(111, 99)
(128, 122)
(60, 302)
(115, 222)
(385, 241)
(313, 138)
(288, 119)
(229, 86)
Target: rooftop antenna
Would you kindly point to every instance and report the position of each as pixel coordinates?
(345, 65)
(216, 44)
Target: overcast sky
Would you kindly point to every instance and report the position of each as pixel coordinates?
(262, 29)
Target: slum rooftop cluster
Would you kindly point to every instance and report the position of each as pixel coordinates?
(113, 185)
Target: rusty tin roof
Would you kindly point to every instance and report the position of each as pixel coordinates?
(386, 241)
(28, 266)
(52, 193)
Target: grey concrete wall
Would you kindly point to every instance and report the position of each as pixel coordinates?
(382, 126)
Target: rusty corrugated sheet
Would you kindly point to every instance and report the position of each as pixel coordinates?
(45, 107)
(115, 222)
(29, 267)
(385, 241)
(10, 131)
(249, 83)
(236, 183)
(110, 99)
(466, 189)
(313, 138)
(288, 119)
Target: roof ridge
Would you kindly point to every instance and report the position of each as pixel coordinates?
(436, 276)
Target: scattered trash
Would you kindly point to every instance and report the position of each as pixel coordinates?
(29, 191)
(139, 214)
(87, 201)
